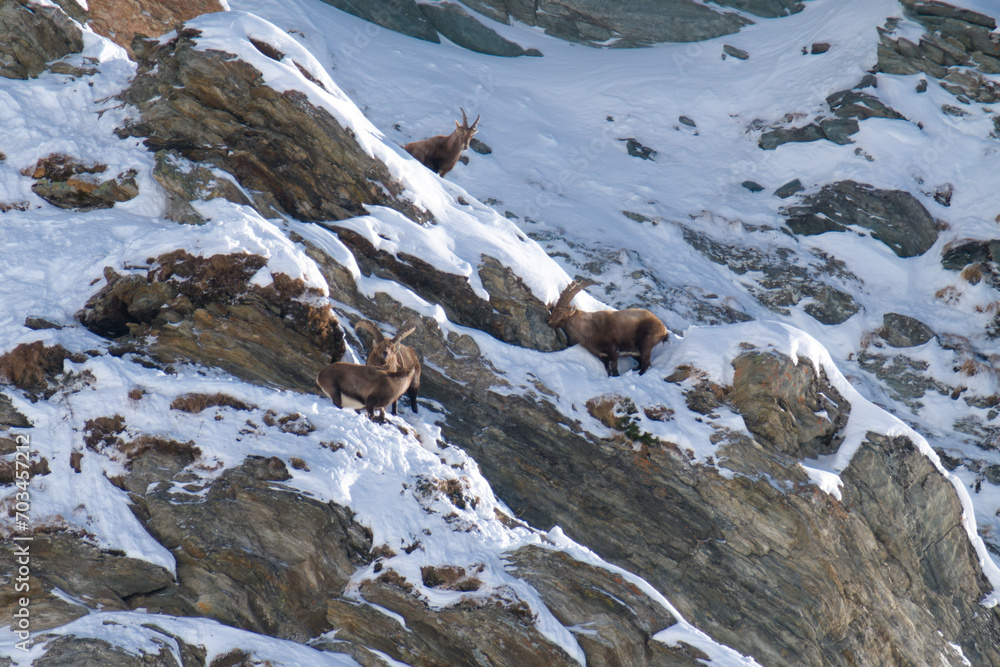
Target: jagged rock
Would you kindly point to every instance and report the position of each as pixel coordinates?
(186, 182)
(903, 331)
(773, 138)
(9, 416)
(213, 108)
(205, 310)
(907, 379)
(461, 28)
(616, 24)
(400, 15)
(65, 564)
(896, 218)
(788, 405)
(854, 104)
(636, 149)
(253, 555)
(789, 189)
(497, 630)
(619, 618)
(783, 284)
(73, 651)
(32, 35)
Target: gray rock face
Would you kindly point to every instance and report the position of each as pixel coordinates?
(618, 24)
(31, 36)
(460, 27)
(400, 15)
(894, 217)
(788, 405)
(212, 108)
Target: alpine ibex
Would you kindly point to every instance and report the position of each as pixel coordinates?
(356, 386)
(389, 354)
(608, 333)
(440, 153)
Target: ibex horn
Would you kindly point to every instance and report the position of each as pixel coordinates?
(572, 290)
(400, 335)
(370, 326)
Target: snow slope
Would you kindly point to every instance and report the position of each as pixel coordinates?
(560, 167)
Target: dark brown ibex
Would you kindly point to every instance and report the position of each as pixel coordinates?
(391, 355)
(608, 333)
(356, 386)
(440, 154)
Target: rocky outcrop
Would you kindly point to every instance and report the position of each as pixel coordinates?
(958, 48)
(787, 405)
(732, 563)
(783, 284)
(215, 109)
(512, 314)
(205, 311)
(32, 36)
(894, 217)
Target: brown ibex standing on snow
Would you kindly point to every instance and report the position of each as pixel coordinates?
(440, 153)
(391, 355)
(606, 333)
(356, 386)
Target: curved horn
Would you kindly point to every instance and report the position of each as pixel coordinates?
(476, 123)
(370, 326)
(400, 335)
(572, 290)
(465, 119)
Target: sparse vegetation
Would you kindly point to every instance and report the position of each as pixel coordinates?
(32, 366)
(195, 403)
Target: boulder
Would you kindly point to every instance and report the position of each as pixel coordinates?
(32, 35)
(904, 331)
(788, 189)
(894, 217)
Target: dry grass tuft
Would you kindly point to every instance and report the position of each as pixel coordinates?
(31, 366)
(102, 432)
(195, 403)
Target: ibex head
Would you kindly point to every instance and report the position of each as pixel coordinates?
(384, 349)
(562, 310)
(464, 131)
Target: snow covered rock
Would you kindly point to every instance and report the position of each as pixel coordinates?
(213, 108)
(894, 217)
